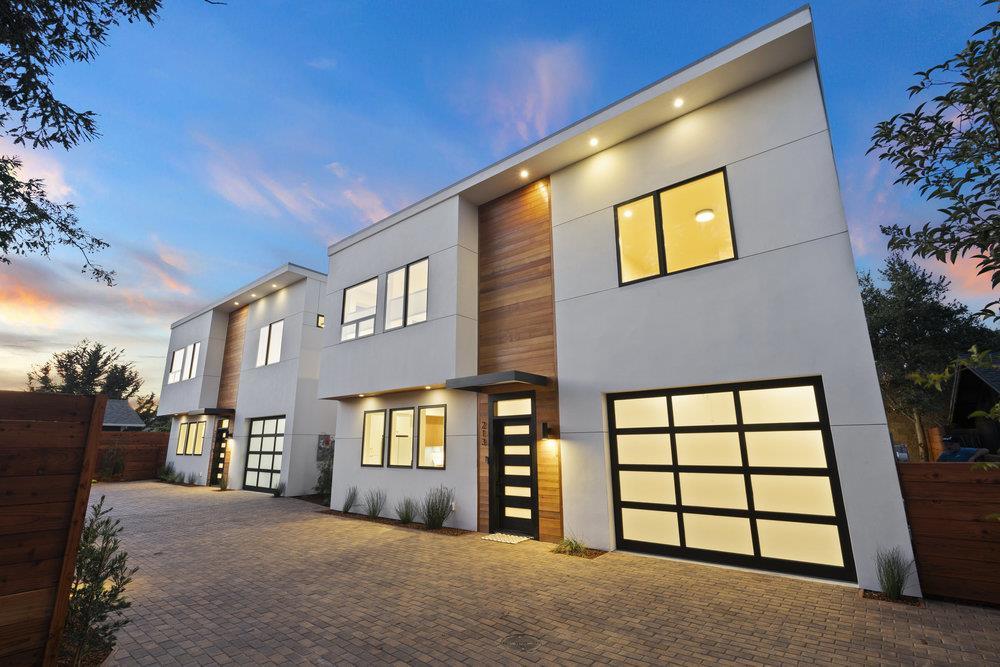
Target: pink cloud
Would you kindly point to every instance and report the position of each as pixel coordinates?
(41, 164)
(966, 281)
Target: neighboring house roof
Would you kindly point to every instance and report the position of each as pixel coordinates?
(989, 377)
(120, 414)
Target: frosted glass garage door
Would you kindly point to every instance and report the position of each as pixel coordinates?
(265, 449)
(742, 474)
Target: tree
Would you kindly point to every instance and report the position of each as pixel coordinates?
(916, 329)
(36, 38)
(145, 406)
(86, 368)
(950, 150)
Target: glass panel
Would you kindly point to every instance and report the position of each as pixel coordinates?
(277, 462)
(251, 479)
(517, 470)
(257, 427)
(267, 444)
(718, 533)
(788, 449)
(696, 227)
(253, 461)
(641, 412)
(262, 346)
(348, 332)
(401, 438)
(274, 480)
(181, 438)
(199, 439)
(650, 526)
(372, 438)
(431, 437)
(320, 320)
(274, 345)
(270, 426)
(264, 480)
(513, 406)
(651, 449)
(395, 294)
(366, 327)
(704, 409)
(254, 445)
(713, 490)
(792, 493)
(516, 429)
(517, 450)
(709, 449)
(176, 365)
(779, 405)
(638, 248)
(806, 542)
(359, 301)
(416, 305)
(280, 428)
(646, 487)
(192, 434)
(517, 512)
(520, 491)
(279, 443)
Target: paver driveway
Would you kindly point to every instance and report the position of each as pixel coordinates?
(242, 578)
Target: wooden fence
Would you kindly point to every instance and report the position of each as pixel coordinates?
(956, 547)
(127, 456)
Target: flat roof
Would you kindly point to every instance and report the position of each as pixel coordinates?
(279, 278)
(777, 46)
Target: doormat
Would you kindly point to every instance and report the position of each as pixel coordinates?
(506, 538)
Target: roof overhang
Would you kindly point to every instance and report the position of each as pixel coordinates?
(763, 53)
(480, 382)
(210, 412)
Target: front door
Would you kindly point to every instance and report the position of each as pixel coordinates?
(514, 493)
(217, 468)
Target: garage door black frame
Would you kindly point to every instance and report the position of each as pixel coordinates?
(845, 573)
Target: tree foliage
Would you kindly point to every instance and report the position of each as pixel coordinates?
(145, 407)
(949, 148)
(86, 368)
(916, 330)
(36, 38)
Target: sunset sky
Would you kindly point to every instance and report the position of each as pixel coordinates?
(239, 137)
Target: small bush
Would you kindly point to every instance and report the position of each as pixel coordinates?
(438, 506)
(177, 477)
(112, 463)
(279, 490)
(166, 473)
(350, 500)
(374, 502)
(571, 547)
(324, 466)
(407, 510)
(192, 478)
(893, 571)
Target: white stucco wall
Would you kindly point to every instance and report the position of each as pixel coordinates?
(459, 473)
(190, 463)
(201, 391)
(788, 307)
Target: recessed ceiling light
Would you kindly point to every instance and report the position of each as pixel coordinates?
(253, 295)
(705, 215)
(627, 213)
(593, 141)
(524, 173)
(427, 387)
(273, 285)
(361, 395)
(678, 102)
(236, 303)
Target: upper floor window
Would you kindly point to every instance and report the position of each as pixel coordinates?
(176, 366)
(359, 310)
(680, 227)
(320, 320)
(191, 361)
(406, 295)
(269, 345)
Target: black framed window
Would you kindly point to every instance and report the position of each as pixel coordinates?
(176, 366)
(191, 353)
(359, 310)
(269, 343)
(320, 320)
(373, 438)
(406, 295)
(431, 439)
(265, 449)
(190, 439)
(742, 474)
(401, 438)
(683, 226)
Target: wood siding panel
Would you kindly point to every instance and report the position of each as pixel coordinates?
(232, 358)
(517, 331)
(142, 452)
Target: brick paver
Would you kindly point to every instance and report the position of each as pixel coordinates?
(241, 578)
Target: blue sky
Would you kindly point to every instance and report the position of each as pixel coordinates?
(238, 137)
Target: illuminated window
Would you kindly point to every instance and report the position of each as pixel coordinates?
(401, 438)
(674, 229)
(320, 320)
(373, 438)
(360, 306)
(269, 344)
(431, 436)
(176, 366)
(406, 295)
(190, 436)
(512, 407)
(265, 449)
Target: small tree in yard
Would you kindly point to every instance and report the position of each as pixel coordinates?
(97, 599)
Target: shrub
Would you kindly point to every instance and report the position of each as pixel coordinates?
(438, 506)
(324, 463)
(374, 502)
(97, 601)
(166, 472)
(192, 478)
(177, 477)
(351, 499)
(112, 463)
(279, 490)
(571, 547)
(893, 571)
(407, 510)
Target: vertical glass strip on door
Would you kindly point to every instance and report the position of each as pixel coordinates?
(265, 449)
(741, 474)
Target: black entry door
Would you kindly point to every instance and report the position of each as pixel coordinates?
(217, 468)
(515, 489)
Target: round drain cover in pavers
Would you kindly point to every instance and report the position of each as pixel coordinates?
(520, 642)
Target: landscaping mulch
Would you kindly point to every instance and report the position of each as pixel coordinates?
(589, 554)
(882, 597)
(396, 522)
(315, 499)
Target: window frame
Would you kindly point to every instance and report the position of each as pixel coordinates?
(267, 344)
(170, 370)
(189, 364)
(198, 445)
(385, 431)
(320, 321)
(343, 311)
(661, 251)
(413, 438)
(246, 457)
(406, 295)
(444, 438)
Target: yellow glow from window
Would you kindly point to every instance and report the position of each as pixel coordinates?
(713, 490)
(650, 526)
(640, 449)
(704, 409)
(708, 449)
(718, 533)
(401, 438)
(513, 406)
(517, 450)
(430, 440)
(646, 487)
(517, 512)
(373, 435)
(794, 494)
(690, 243)
(516, 429)
(637, 244)
(791, 449)
(808, 542)
(519, 491)
(519, 471)
(779, 406)
(641, 412)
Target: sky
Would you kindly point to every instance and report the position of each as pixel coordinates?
(238, 137)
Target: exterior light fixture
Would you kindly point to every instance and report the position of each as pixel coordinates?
(524, 173)
(705, 215)
(549, 436)
(236, 303)
(627, 213)
(361, 395)
(253, 296)
(593, 141)
(678, 102)
(274, 286)
(427, 387)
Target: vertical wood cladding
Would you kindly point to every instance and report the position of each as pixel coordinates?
(232, 358)
(517, 330)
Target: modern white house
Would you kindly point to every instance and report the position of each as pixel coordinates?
(643, 331)
(240, 384)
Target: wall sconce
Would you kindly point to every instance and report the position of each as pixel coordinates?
(550, 438)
